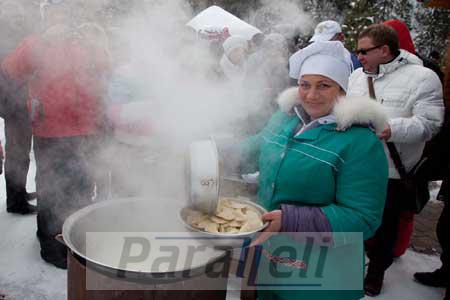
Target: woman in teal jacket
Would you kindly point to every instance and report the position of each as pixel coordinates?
(322, 170)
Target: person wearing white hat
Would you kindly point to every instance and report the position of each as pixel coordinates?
(327, 31)
(233, 62)
(329, 59)
(331, 31)
(322, 171)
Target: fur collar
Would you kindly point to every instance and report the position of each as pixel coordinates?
(348, 110)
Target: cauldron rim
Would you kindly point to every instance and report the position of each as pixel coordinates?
(128, 274)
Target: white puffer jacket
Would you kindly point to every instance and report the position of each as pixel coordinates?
(412, 97)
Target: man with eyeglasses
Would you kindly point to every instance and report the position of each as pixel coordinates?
(412, 97)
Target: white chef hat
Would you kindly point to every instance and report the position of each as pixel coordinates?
(234, 42)
(325, 31)
(329, 59)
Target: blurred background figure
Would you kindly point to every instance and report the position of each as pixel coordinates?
(54, 12)
(440, 277)
(270, 64)
(268, 74)
(234, 60)
(435, 57)
(66, 74)
(331, 31)
(255, 43)
(13, 108)
(130, 106)
(13, 26)
(93, 38)
(212, 38)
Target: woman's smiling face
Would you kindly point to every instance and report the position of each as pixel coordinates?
(318, 94)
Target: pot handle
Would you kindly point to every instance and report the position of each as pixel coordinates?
(60, 238)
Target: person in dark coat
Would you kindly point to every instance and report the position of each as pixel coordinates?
(441, 276)
(65, 107)
(15, 115)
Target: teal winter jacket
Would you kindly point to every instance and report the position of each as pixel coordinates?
(339, 167)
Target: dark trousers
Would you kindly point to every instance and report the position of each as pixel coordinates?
(380, 251)
(17, 157)
(443, 234)
(64, 183)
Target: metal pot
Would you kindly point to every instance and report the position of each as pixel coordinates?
(138, 216)
(86, 284)
(203, 176)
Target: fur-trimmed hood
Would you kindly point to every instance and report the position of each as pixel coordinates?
(348, 110)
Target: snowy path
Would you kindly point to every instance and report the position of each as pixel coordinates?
(25, 276)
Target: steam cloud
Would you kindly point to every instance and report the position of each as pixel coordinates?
(173, 73)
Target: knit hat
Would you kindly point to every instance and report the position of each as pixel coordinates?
(404, 37)
(234, 42)
(325, 31)
(329, 59)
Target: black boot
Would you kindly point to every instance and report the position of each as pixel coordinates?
(23, 209)
(373, 281)
(438, 278)
(17, 202)
(53, 251)
(58, 260)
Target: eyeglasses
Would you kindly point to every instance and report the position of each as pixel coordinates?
(365, 51)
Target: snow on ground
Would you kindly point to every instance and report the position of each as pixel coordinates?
(25, 276)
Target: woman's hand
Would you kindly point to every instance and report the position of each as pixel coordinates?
(274, 217)
(386, 133)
